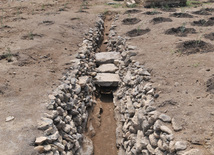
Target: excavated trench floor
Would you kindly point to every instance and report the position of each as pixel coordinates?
(101, 123)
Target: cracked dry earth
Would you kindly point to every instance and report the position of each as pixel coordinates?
(40, 38)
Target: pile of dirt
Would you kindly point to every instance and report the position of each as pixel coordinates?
(180, 31)
(158, 20)
(168, 9)
(130, 21)
(195, 46)
(181, 15)
(203, 22)
(137, 32)
(133, 11)
(152, 13)
(204, 11)
(210, 85)
(209, 36)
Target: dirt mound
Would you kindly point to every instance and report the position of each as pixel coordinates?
(180, 31)
(181, 15)
(194, 46)
(202, 22)
(137, 32)
(209, 36)
(168, 9)
(152, 13)
(204, 11)
(158, 20)
(210, 85)
(132, 11)
(130, 21)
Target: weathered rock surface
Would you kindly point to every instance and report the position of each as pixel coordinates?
(107, 68)
(107, 79)
(107, 57)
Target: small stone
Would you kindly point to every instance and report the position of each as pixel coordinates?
(175, 125)
(153, 140)
(9, 118)
(83, 80)
(180, 145)
(47, 148)
(107, 68)
(40, 149)
(51, 97)
(166, 129)
(45, 124)
(40, 140)
(60, 146)
(150, 149)
(165, 118)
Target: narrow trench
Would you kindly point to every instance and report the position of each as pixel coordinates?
(101, 126)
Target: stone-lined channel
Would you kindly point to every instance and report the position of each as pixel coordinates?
(123, 120)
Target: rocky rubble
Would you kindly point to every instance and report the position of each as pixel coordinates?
(141, 128)
(64, 126)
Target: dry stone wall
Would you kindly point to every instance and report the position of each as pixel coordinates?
(141, 128)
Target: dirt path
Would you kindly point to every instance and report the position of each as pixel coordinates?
(105, 138)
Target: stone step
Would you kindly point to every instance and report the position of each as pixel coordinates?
(107, 57)
(107, 68)
(107, 79)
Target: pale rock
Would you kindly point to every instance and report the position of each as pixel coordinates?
(153, 140)
(141, 141)
(107, 57)
(107, 79)
(40, 140)
(60, 146)
(87, 146)
(165, 118)
(45, 123)
(9, 118)
(107, 68)
(77, 89)
(47, 148)
(165, 129)
(40, 149)
(180, 145)
(83, 80)
(150, 149)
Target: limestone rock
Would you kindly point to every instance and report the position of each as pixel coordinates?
(40, 140)
(180, 145)
(107, 79)
(107, 57)
(107, 68)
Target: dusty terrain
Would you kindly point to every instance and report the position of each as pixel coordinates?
(39, 38)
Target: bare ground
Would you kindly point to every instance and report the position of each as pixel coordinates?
(41, 38)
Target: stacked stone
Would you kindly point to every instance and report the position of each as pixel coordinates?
(141, 129)
(64, 126)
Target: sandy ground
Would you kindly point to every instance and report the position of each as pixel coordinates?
(178, 78)
(41, 37)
